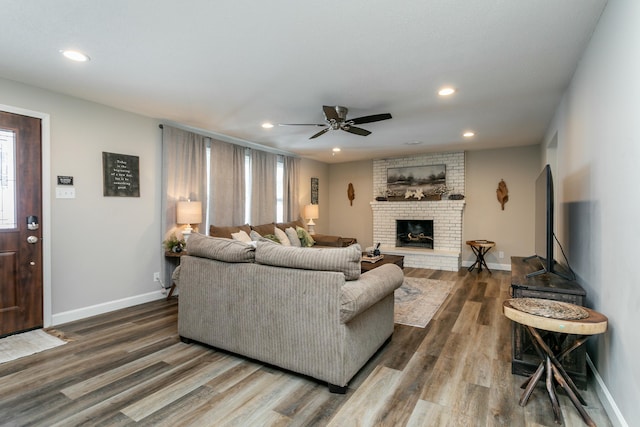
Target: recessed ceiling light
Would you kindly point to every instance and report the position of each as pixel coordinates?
(75, 55)
(468, 134)
(267, 125)
(446, 91)
(336, 150)
(413, 143)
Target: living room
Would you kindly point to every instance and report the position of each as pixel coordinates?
(103, 251)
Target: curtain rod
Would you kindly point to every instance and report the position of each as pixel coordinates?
(229, 139)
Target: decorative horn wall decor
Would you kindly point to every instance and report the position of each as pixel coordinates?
(351, 193)
(502, 193)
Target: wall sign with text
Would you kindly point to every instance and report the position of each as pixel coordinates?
(121, 175)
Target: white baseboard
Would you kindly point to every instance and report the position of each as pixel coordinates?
(606, 399)
(82, 313)
(491, 265)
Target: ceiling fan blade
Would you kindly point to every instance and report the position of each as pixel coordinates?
(357, 131)
(323, 131)
(370, 119)
(330, 112)
(302, 124)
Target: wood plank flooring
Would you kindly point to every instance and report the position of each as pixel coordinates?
(129, 368)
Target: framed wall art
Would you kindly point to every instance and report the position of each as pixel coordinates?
(121, 175)
(410, 182)
(314, 191)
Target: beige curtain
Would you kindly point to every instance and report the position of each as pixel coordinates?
(184, 171)
(291, 173)
(263, 187)
(227, 183)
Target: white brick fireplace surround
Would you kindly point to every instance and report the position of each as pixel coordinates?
(446, 214)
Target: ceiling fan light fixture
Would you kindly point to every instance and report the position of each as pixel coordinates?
(468, 134)
(446, 91)
(267, 125)
(75, 55)
(336, 150)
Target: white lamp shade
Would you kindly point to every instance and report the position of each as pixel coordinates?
(311, 211)
(189, 212)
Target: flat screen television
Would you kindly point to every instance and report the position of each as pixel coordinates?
(544, 224)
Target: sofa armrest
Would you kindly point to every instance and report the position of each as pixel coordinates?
(326, 240)
(358, 295)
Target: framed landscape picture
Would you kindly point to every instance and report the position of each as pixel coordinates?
(423, 179)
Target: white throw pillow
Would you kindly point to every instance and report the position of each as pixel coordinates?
(292, 234)
(282, 236)
(254, 235)
(241, 236)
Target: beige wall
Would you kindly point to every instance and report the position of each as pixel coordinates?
(104, 250)
(597, 204)
(513, 228)
(314, 169)
(349, 220)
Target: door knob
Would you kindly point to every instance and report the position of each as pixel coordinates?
(32, 239)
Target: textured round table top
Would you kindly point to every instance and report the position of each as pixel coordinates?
(481, 243)
(540, 314)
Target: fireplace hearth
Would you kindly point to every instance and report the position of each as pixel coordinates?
(416, 233)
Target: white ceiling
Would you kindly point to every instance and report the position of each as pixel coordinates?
(226, 66)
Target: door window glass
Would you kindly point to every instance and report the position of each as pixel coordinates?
(7, 179)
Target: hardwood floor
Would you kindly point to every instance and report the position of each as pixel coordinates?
(129, 367)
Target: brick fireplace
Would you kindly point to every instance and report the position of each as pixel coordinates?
(445, 214)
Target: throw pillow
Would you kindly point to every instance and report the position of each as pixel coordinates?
(255, 236)
(292, 234)
(273, 238)
(282, 236)
(305, 238)
(241, 236)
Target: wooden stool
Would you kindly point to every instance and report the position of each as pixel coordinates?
(555, 316)
(480, 248)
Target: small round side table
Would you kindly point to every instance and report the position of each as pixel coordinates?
(480, 248)
(560, 317)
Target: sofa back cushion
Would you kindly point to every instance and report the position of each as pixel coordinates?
(342, 260)
(291, 224)
(263, 229)
(220, 249)
(225, 232)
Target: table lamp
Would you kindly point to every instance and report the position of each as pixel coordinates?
(311, 213)
(188, 213)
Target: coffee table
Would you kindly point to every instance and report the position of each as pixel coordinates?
(388, 259)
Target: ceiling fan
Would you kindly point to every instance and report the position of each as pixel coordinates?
(336, 118)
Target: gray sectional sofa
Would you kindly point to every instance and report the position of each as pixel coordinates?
(308, 310)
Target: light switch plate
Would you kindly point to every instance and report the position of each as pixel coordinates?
(65, 193)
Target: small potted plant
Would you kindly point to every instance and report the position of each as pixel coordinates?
(172, 244)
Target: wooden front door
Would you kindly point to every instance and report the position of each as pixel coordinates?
(20, 218)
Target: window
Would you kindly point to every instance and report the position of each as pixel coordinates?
(7, 180)
(247, 188)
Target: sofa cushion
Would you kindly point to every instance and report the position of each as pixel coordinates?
(305, 238)
(292, 234)
(225, 232)
(220, 249)
(254, 235)
(241, 236)
(291, 224)
(263, 229)
(342, 260)
(282, 236)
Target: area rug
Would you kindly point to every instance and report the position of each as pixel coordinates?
(417, 300)
(20, 345)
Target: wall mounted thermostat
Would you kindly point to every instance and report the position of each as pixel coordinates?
(65, 180)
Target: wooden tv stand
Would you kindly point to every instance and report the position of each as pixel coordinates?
(524, 359)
